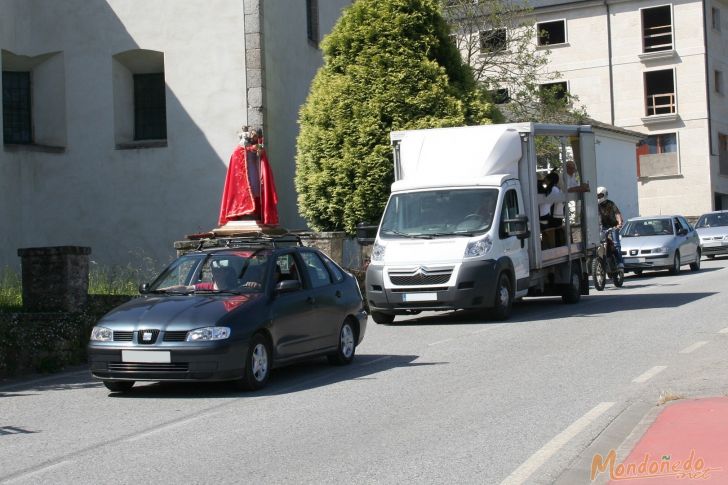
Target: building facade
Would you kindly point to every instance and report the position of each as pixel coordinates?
(119, 116)
(658, 68)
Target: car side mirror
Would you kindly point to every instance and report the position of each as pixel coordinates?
(518, 227)
(287, 286)
(144, 288)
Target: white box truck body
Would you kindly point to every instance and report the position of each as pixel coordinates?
(461, 227)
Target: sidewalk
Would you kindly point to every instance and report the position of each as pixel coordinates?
(686, 443)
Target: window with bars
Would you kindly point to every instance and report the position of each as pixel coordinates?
(17, 123)
(312, 21)
(150, 107)
(660, 96)
(657, 29)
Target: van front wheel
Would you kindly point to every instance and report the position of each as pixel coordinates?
(503, 298)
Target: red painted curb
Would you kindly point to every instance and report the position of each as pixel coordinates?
(687, 443)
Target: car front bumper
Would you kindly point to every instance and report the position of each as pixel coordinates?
(648, 262)
(714, 248)
(188, 361)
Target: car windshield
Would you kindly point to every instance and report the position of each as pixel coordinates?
(243, 271)
(713, 220)
(439, 213)
(648, 227)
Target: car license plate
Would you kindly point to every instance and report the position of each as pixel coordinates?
(420, 297)
(146, 356)
(634, 260)
(712, 244)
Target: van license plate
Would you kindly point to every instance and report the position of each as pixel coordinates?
(146, 356)
(420, 297)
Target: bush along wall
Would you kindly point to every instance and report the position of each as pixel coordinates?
(48, 342)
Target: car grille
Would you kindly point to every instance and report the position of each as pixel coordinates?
(140, 336)
(148, 367)
(123, 336)
(420, 276)
(175, 336)
(635, 252)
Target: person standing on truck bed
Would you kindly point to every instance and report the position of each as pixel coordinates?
(611, 219)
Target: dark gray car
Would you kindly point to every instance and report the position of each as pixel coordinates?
(231, 314)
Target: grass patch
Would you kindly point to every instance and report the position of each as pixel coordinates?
(11, 296)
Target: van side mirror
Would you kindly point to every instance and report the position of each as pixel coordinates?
(144, 288)
(366, 233)
(518, 227)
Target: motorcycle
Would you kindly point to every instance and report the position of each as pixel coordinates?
(605, 262)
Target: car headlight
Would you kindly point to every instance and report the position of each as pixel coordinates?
(478, 248)
(378, 252)
(662, 250)
(208, 333)
(725, 238)
(102, 334)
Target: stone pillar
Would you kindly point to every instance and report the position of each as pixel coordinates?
(254, 63)
(55, 278)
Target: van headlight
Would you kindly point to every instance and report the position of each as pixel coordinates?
(478, 248)
(378, 252)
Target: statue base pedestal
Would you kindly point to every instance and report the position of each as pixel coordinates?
(247, 228)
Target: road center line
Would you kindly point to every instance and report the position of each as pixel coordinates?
(526, 469)
(725, 330)
(440, 342)
(649, 374)
(39, 471)
(693, 347)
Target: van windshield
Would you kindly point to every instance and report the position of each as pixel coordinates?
(439, 213)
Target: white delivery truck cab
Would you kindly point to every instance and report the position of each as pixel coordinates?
(461, 228)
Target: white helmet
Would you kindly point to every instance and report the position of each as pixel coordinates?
(602, 191)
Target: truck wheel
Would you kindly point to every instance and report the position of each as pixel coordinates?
(503, 298)
(598, 274)
(573, 293)
(382, 318)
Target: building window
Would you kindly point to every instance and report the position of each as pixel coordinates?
(558, 90)
(500, 96)
(722, 154)
(657, 156)
(150, 113)
(550, 33)
(715, 18)
(656, 29)
(493, 40)
(718, 81)
(660, 92)
(17, 127)
(312, 21)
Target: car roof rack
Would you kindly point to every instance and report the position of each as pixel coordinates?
(263, 240)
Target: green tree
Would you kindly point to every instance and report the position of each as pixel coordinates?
(388, 65)
(497, 38)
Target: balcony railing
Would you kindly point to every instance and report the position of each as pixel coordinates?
(660, 104)
(657, 38)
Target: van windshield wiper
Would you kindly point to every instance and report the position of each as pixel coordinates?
(458, 233)
(403, 234)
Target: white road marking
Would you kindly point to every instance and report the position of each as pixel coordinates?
(523, 472)
(695, 346)
(440, 342)
(39, 471)
(376, 360)
(725, 330)
(649, 374)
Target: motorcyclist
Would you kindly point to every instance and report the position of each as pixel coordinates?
(611, 219)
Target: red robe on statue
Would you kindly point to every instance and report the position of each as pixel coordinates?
(237, 196)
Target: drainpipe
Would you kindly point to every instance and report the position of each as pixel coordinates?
(611, 74)
(707, 98)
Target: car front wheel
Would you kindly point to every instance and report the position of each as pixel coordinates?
(347, 345)
(257, 364)
(675, 269)
(382, 318)
(119, 386)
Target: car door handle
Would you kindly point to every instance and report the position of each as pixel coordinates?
(311, 300)
(338, 293)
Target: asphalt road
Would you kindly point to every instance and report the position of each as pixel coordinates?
(437, 398)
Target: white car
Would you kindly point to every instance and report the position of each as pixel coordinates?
(713, 231)
(659, 242)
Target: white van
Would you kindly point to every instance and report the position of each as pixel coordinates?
(461, 228)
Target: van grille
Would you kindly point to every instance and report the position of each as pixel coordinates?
(420, 276)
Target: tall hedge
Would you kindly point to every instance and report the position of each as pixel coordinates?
(388, 65)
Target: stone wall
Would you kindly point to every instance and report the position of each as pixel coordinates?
(55, 278)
